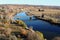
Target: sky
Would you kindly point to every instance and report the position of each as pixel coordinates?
(32, 2)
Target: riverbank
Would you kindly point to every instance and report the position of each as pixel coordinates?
(49, 16)
(49, 19)
(10, 11)
(15, 25)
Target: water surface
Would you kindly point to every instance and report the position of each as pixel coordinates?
(49, 30)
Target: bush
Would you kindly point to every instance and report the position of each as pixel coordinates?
(21, 23)
(40, 35)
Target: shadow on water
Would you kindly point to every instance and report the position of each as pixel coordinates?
(49, 30)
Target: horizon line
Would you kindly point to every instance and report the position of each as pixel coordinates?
(30, 4)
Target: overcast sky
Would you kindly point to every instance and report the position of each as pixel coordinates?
(32, 2)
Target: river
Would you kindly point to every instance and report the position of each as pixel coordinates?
(49, 30)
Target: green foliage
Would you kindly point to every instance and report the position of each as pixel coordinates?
(21, 23)
(40, 35)
(19, 38)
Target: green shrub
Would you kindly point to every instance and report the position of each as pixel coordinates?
(21, 23)
(40, 35)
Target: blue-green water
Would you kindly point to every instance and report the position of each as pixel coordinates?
(49, 30)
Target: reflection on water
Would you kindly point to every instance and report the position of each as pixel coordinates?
(23, 16)
(42, 26)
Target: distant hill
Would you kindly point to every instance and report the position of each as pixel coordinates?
(42, 6)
